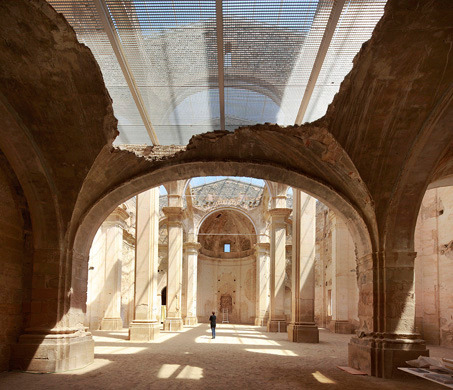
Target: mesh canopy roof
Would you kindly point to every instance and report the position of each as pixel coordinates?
(170, 50)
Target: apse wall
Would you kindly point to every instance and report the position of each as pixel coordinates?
(227, 283)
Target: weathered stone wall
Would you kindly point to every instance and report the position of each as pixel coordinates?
(323, 260)
(325, 271)
(97, 301)
(434, 267)
(95, 309)
(128, 266)
(15, 266)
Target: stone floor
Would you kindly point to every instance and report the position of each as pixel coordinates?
(241, 357)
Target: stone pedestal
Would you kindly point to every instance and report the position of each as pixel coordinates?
(381, 354)
(391, 338)
(173, 324)
(276, 325)
(303, 328)
(174, 274)
(111, 324)
(104, 291)
(54, 350)
(277, 269)
(145, 327)
(190, 321)
(303, 333)
(190, 270)
(144, 330)
(342, 250)
(262, 283)
(344, 327)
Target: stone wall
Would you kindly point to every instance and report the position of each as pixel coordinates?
(127, 278)
(95, 308)
(323, 260)
(434, 267)
(15, 265)
(97, 300)
(327, 292)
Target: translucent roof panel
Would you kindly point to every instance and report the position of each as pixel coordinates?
(355, 26)
(83, 17)
(273, 44)
(214, 191)
(170, 49)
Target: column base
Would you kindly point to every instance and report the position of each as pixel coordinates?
(303, 332)
(276, 326)
(144, 330)
(111, 324)
(173, 324)
(261, 321)
(190, 321)
(52, 350)
(343, 327)
(380, 354)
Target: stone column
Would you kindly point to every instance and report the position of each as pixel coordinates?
(277, 318)
(342, 249)
(303, 328)
(190, 285)
(262, 283)
(111, 292)
(387, 337)
(174, 320)
(145, 326)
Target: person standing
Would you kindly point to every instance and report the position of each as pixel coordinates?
(212, 320)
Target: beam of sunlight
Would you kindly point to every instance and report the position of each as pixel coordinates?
(190, 372)
(187, 372)
(278, 352)
(243, 340)
(117, 350)
(167, 370)
(322, 378)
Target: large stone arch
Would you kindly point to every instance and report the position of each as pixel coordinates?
(220, 208)
(103, 206)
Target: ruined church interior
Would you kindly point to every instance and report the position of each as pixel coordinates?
(285, 164)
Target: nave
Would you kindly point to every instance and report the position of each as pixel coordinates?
(241, 356)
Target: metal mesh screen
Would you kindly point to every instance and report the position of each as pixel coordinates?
(356, 24)
(171, 49)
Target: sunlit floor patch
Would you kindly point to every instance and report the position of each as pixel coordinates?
(175, 370)
(270, 351)
(231, 339)
(102, 350)
(322, 378)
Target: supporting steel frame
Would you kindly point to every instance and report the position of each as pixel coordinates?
(220, 61)
(322, 51)
(122, 60)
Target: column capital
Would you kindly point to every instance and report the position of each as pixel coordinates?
(192, 246)
(174, 214)
(280, 212)
(262, 247)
